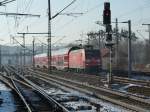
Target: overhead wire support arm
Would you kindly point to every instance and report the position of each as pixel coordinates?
(62, 10)
(5, 2)
(42, 42)
(71, 14)
(19, 14)
(32, 33)
(21, 44)
(148, 30)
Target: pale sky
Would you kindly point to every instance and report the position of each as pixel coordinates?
(73, 28)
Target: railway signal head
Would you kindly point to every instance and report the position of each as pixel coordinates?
(107, 13)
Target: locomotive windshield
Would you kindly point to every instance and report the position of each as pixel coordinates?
(92, 54)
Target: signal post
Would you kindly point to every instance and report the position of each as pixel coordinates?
(109, 43)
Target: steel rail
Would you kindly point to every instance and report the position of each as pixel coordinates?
(41, 91)
(132, 107)
(131, 81)
(21, 96)
(102, 88)
(7, 80)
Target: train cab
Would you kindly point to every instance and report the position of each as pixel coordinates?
(85, 60)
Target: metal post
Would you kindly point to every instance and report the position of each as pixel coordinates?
(42, 49)
(149, 32)
(33, 54)
(129, 50)
(0, 56)
(99, 40)
(88, 39)
(110, 66)
(117, 43)
(49, 36)
(20, 58)
(21, 64)
(24, 58)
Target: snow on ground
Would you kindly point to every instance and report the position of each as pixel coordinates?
(82, 105)
(6, 99)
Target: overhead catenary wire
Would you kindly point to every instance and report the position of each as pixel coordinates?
(134, 10)
(21, 44)
(135, 22)
(74, 18)
(141, 35)
(6, 2)
(83, 14)
(63, 9)
(27, 8)
(25, 5)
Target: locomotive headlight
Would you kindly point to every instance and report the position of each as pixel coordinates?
(98, 61)
(88, 61)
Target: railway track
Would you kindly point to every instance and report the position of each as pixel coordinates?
(131, 81)
(97, 79)
(70, 101)
(125, 100)
(78, 102)
(134, 87)
(19, 104)
(40, 101)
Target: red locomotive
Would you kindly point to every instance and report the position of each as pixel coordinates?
(75, 59)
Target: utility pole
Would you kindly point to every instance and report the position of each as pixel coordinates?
(42, 48)
(49, 36)
(49, 30)
(0, 56)
(88, 39)
(24, 50)
(129, 50)
(21, 62)
(24, 42)
(148, 30)
(20, 58)
(117, 43)
(99, 41)
(23, 45)
(33, 54)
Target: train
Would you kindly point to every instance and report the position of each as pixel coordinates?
(78, 59)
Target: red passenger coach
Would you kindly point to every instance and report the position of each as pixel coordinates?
(41, 60)
(75, 58)
(60, 59)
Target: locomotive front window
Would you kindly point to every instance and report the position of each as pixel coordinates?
(92, 54)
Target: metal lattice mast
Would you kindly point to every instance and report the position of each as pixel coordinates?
(49, 36)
